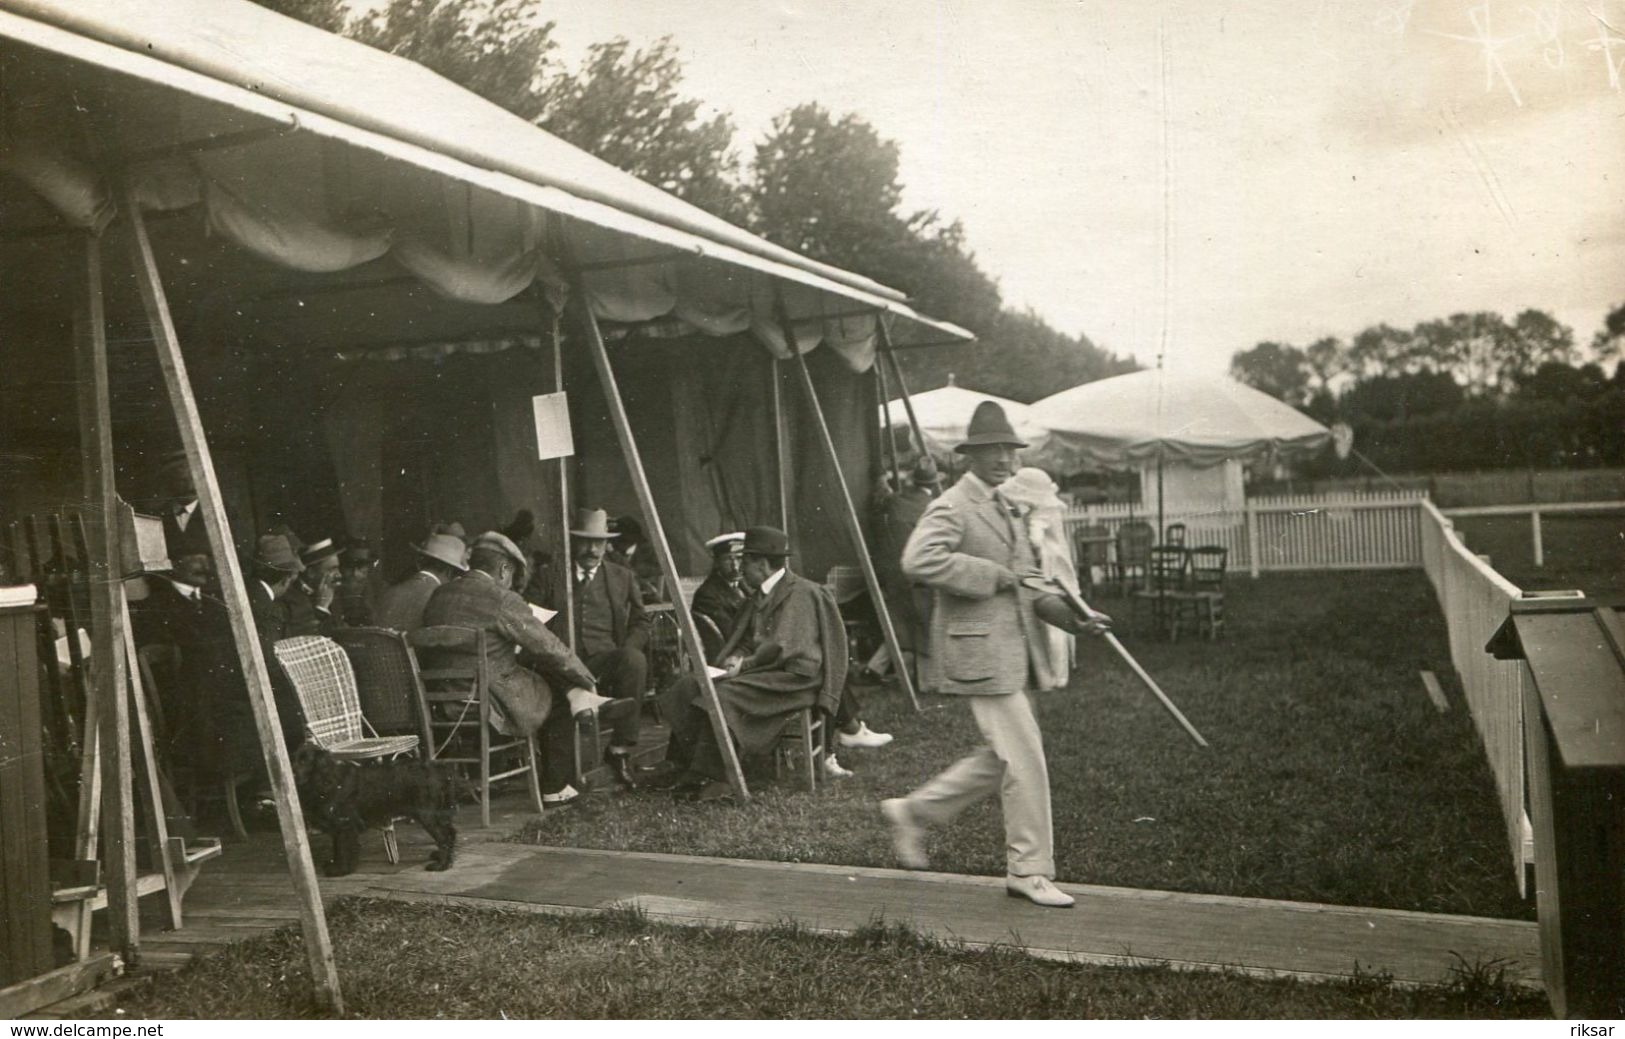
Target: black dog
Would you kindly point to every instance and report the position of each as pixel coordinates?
(344, 798)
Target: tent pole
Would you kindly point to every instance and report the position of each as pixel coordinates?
(562, 567)
(888, 444)
(902, 386)
(657, 537)
(104, 571)
(211, 506)
(781, 444)
(850, 512)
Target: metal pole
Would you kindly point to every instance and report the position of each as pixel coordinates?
(850, 513)
(657, 538)
(211, 506)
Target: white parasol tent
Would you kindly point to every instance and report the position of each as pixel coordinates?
(1164, 421)
(944, 414)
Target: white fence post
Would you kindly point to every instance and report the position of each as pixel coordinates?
(1252, 539)
(1534, 534)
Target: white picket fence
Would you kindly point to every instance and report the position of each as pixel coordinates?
(1475, 600)
(1349, 531)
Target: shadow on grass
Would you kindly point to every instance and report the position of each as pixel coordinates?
(415, 961)
(1330, 778)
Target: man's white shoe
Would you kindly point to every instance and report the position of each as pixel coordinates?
(562, 797)
(833, 769)
(864, 737)
(1038, 890)
(907, 837)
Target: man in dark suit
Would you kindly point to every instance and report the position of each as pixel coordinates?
(611, 629)
(718, 600)
(310, 598)
(798, 660)
(184, 534)
(536, 682)
(275, 568)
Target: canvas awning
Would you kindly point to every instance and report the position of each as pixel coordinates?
(321, 154)
(1200, 420)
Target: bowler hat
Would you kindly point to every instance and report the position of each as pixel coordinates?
(766, 541)
(444, 548)
(989, 426)
(273, 552)
(592, 523)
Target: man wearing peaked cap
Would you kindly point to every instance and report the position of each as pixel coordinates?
(971, 547)
(440, 558)
(718, 600)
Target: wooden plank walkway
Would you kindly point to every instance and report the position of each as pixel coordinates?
(247, 893)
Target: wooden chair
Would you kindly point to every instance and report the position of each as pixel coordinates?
(457, 698)
(322, 678)
(1203, 597)
(1133, 555)
(1174, 535)
(387, 680)
(803, 738)
(1092, 548)
(1167, 567)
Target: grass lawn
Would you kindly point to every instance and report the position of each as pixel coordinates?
(1582, 551)
(408, 961)
(1330, 777)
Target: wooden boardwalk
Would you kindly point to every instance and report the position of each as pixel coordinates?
(247, 892)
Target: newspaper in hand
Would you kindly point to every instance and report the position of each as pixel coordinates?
(541, 614)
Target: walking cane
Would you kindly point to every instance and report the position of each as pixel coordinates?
(1082, 609)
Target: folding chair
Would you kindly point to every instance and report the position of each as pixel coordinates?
(455, 686)
(322, 678)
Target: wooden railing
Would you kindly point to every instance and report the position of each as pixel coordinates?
(1475, 599)
(1373, 531)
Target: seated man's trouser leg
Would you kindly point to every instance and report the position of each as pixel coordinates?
(693, 743)
(1011, 762)
(622, 673)
(556, 743)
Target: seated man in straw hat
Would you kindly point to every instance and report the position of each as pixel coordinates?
(536, 682)
(441, 558)
(310, 599)
(611, 628)
(799, 661)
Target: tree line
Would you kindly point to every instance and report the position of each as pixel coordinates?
(823, 184)
(1471, 391)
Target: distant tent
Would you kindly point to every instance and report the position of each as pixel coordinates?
(944, 413)
(1185, 422)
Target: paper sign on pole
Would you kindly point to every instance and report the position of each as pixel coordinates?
(553, 439)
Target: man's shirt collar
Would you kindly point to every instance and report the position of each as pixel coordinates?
(772, 582)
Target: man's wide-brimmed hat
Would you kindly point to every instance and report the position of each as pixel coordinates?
(989, 426)
(766, 541)
(925, 471)
(273, 552)
(445, 548)
(727, 544)
(592, 523)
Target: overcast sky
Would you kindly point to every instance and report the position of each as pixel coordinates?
(1331, 163)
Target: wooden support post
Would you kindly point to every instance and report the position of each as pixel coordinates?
(104, 571)
(850, 513)
(781, 446)
(556, 385)
(657, 538)
(1252, 539)
(888, 442)
(157, 811)
(884, 336)
(1534, 535)
(313, 918)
